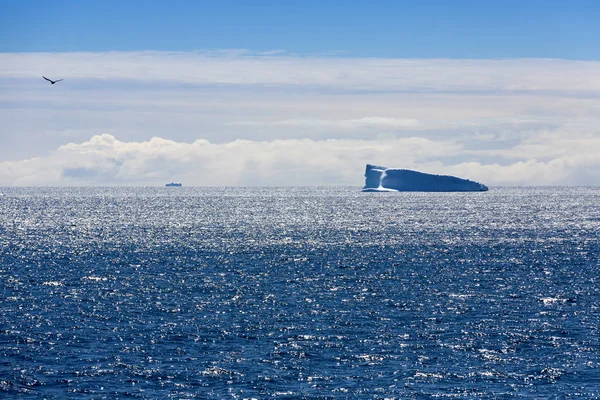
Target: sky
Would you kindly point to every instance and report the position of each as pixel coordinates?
(238, 93)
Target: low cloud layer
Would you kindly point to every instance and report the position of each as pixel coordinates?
(104, 160)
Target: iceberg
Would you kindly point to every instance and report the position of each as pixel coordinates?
(382, 179)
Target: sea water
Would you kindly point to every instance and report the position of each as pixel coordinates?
(288, 293)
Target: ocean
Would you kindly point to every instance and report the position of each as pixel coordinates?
(299, 293)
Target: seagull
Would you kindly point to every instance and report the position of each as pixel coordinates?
(50, 80)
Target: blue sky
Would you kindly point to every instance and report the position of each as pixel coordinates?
(406, 29)
(244, 93)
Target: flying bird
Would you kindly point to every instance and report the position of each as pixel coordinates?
(50, 80)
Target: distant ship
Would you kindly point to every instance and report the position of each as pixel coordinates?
(176, 184)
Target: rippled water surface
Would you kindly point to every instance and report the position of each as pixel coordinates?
(315, 293)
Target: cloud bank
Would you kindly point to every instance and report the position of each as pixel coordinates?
(104, 160)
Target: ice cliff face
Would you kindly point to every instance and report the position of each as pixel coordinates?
(382, 179)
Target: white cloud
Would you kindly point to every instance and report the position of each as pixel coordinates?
(272, 118)
(580, 140)
(104, 160)
(241, 67)
(366, 122)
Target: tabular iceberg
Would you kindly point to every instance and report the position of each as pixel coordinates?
(382, 179)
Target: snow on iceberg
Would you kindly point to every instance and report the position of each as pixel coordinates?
(382, 179)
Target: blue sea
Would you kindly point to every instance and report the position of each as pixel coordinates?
(299, 293)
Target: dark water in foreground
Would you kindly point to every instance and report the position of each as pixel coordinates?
(316, 293)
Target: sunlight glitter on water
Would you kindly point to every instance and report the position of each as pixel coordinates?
(299, 292)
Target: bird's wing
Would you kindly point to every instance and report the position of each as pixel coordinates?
(58, 80)
(46, 78)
